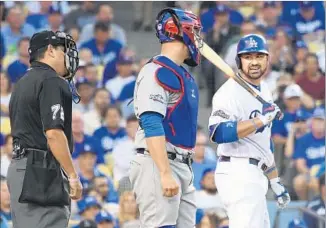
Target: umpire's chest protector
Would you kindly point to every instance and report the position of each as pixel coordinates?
(180, 122)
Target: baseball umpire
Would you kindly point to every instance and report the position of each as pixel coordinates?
(166, 104)
(41, 176)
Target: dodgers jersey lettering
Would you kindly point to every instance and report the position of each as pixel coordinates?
(233, 103)
(150, 96)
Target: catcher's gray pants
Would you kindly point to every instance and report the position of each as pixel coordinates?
(155, 209)
(28, 215)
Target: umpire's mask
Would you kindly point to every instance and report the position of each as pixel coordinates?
(71, 53)
(71, 61)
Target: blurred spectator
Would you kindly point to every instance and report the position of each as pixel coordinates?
(87, 223)
(207, 18)
(88, 207)
(298, 223)
(15, 29)
(124, 151)
(211, 220)
(312, 81)
(204, 157)
(75, 33)
(129, 214)
(104, 220)
(143, 15)
(5, 199)
(91, 74)
(2, 49)
(86, 55)
(124, 76)
(217, 37)
(55, 19)
(111, 133)
(6, 153)
(282, 55)
(296, 130)
(247, 27)
(35, 7)
(81, 16)
(309, 153)
(80, 70)
(300, 56)
(307, 21)
(317, 204)
(86, 91)
(101, 186)
(125, 99)
(294, 99)
(105, 50)
(94, 118)
(207, 197)
(82, 140)
(19, 67)
(88, 171)
(5, 91)
(104, 14)
(39, 20)
(270, 17)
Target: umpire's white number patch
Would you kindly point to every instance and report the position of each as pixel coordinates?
(55, 109)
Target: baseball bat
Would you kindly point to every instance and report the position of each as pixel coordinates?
(214, 58)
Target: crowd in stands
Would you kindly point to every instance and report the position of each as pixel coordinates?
(103, 123)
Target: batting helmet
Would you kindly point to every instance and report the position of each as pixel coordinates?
(176, 24)
(249, 44)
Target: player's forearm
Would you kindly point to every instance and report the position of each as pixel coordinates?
(231, 131)
(157, 150)
(248, 127)
(59, 147)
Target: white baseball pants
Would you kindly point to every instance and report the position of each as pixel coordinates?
(243, 187)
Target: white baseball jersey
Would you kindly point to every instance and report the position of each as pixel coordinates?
(150, 96)
(233, 103)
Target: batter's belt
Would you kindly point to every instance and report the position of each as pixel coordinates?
(252, 161)
(186, 159)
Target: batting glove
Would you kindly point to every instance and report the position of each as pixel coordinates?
(270, 111)
(283, 197)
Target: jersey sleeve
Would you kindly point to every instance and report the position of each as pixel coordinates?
(51, 104)
(149, 95)
(222, 110)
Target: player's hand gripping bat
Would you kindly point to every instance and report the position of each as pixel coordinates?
(214, 58)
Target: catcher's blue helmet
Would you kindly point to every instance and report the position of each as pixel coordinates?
(176, 24)
(249, 44)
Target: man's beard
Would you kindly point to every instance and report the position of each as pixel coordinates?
(254, 72)
(211, 191)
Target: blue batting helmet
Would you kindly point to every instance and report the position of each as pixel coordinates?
(249, 44)
(176, 24)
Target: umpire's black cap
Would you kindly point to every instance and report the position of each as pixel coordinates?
(42, 39)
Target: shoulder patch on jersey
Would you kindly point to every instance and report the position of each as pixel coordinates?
(222, 114)
(168, 80)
